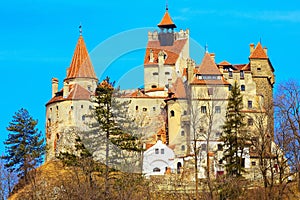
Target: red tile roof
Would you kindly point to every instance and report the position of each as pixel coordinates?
(259, 52)
(166, 21)
(178, 89)
(81, 65)
(224, 63)
(208, 66)
(76, 92)
(171, 51)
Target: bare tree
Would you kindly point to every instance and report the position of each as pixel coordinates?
(287, 112)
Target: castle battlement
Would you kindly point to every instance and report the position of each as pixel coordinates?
(182, 34)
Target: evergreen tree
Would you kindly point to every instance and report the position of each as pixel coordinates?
(234, 136)
(113, 120)
(24, 146)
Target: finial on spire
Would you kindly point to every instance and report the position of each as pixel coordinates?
(80, 29)
(167, 7)
(206, 48)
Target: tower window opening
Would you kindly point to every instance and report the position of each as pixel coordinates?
(81, 106)
(243, 88)
(172, 113)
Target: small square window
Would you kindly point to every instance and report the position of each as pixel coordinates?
(218, 109)
(153, 108)
(210, 91)
(250, 122)
(243, 88)
(182, 133)
(249, 104)
(182, 148)
(253, 163)
(203, 109)
(156, 151)
(220, 147)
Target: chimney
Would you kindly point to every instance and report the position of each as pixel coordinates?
(66, 90)
(151, 59)
(54, 86)
(161, 57)
(190, 69)
(251, 48)
(266, 50)
(212, 55)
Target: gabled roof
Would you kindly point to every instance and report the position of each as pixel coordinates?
(166, 21)
(171, 51)
(208, 66)
(81, 65)
(76, 92)
(224, 63)
(259, 52)
(178, 89)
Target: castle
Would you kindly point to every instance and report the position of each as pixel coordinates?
(182, 104)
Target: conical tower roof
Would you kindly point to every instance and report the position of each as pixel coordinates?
(208, 66)
(259, 52)
(81, 65)
(166, 21)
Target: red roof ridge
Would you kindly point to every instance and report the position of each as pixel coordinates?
(81, 65)
(224, 63)
(258, 52)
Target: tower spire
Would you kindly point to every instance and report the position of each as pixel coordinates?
(167, 7)
(80, 29)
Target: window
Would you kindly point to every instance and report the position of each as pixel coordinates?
(90, 107)
(89, 88)
(156, 169)
(182, 148)
(220, 147)
(242, 87)
(243, 162)
(156, 151)
(253, 163)
(153, 108)
(81, 106)
(218, 134)
(144, 109)
(155, 73)
(72, 107)
(249, 104)
(217, 109)
(201, 129)
(258, 69)
(50, 109)
(182, 133)
(229, 87)
(203, 147)
(210, 91)
(153, 86)
(83, 117)
(230, 74)
(172, 113)
(56, 107)
(242, 74)
(203, 109)
(136, 107)
(167, 73)
(162, 151)
(185, 112)
(250, 122)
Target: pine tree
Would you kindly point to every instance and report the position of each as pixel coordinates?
(234, 136)
(113, 120)
(24, 146)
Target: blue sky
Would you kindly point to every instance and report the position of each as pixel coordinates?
(37, 40)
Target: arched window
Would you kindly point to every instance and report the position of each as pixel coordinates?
(178, 167)
(156, 169)
(242, 87)
(172, 113)
(182, 133)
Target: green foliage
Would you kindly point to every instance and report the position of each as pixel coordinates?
(112, 117)
(25, 145)
(233, 133)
